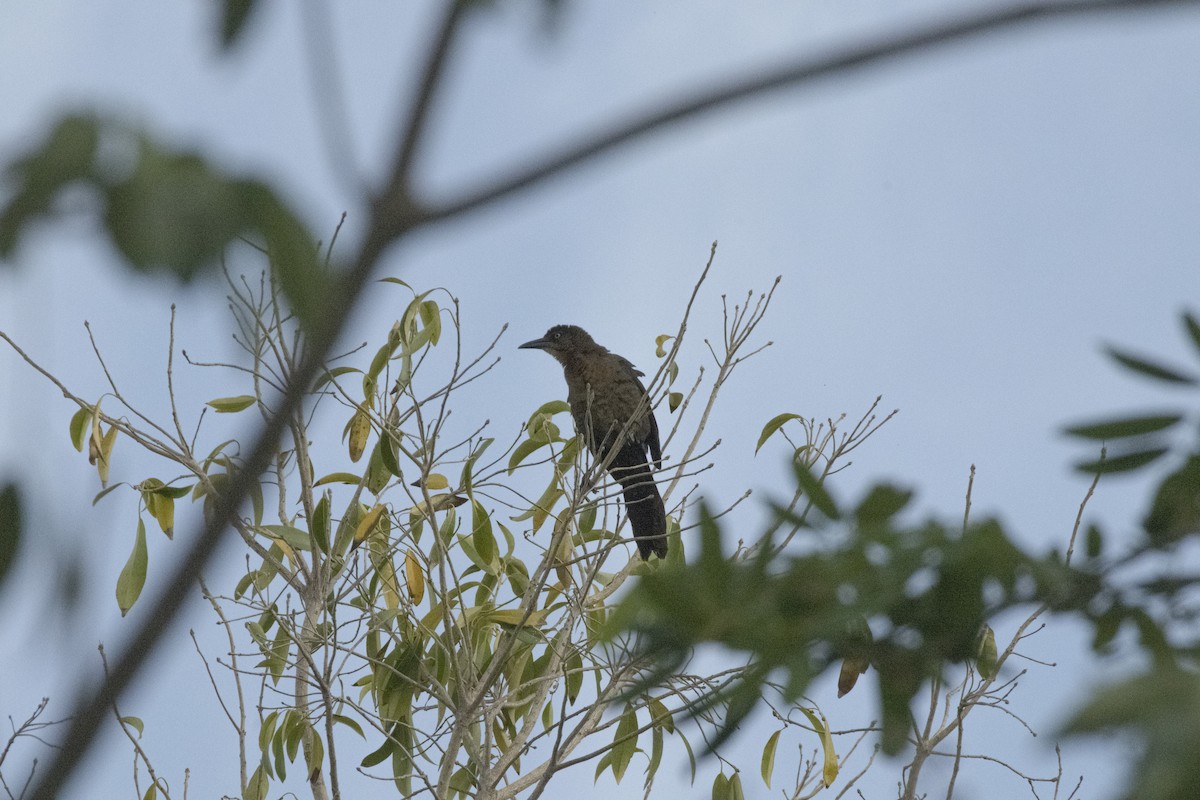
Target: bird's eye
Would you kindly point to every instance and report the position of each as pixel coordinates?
(557, 335)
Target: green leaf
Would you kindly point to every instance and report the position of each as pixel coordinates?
(174, 211)
(573, 674)
(231, 405)
(1193, 328)
(35, 180)
(349, 723)
(133, 576)
(1175, 512)
(660, 716)
(294, 257)
(881, 504)
(1122, 463)
(1149, 368)
(768, 757)
(523, 451)
(1161, 706)
(735, 787)
(624, 742)
(329, 376)
(79, 427)
(659, 341)
(257, 786)
(481, 536)
(234, 16)
(815, 491)
(1126, 426)
(720, 788)
(673, 401)
(296, 538)
(135, 723)
(10, 528)
(775, 424)
(986, 655)
(322, 523)
(380, 755)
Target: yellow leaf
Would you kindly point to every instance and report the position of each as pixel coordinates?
(360, 429)
(78, 422)
(387, 577)
(434, 481)
(94, 441)
(106, 446)
(415, 578)
(987, 655)
(367, 524)
(829, 772)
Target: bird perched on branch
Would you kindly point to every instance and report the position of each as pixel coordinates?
(613, 414)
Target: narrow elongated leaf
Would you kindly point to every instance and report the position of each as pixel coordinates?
(1149, 368)
(360, 429)
(513, 616)
(348, 478)
(234, 16)
(231, 405)
(986, 656)
(829, 771)
(1122, 463)
(367, 524)
(768, 757)
(349, 723)
(78, 427)
(10, 528)
(624, 742)
(773, 425)
(1126, 426)
(258, 785)
(815, 491)
(1193, 328)
(294, 537)
(573, 674)
(133, 575)
(414, 577)
(735, 787)
(104, 460)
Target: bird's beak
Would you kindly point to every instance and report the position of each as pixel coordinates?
(536, 344)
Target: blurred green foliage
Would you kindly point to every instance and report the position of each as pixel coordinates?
(927, 590)
(164, 209)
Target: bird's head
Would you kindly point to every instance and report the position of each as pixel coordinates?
(562, 340)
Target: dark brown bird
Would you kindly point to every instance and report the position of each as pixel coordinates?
(611, 412)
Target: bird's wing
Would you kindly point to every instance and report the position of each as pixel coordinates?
(652, 441)
(630, 368)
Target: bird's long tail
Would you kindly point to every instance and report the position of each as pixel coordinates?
(643, 503)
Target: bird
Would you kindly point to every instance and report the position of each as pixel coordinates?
(612, 412)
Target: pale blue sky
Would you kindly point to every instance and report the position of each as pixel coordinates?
(958, 231)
